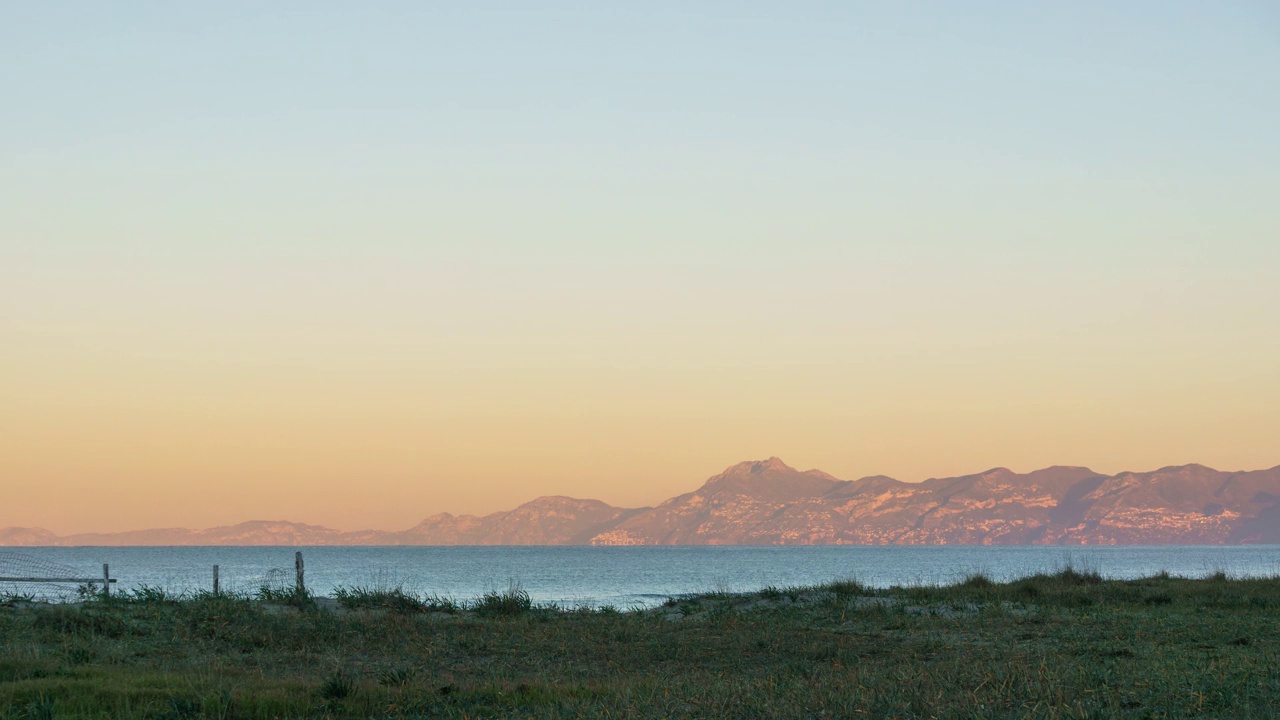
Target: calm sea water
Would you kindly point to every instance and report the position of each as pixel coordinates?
(627, 576)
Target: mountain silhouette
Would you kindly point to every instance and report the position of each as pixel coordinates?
(767, 502)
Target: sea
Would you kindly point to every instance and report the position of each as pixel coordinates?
(623, 577)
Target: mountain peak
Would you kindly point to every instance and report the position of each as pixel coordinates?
(770, 479)
(1189, 467)
(564, 501)
(773, 463)
(758, 467)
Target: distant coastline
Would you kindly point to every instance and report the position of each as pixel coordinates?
(767, 502)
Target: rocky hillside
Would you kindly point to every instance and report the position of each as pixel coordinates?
(768, 502)
(554, 520)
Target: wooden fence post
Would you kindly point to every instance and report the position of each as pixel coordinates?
(297, 564)
(215, 579)
(106, 579)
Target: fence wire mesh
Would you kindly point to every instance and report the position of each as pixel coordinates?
(35, 579)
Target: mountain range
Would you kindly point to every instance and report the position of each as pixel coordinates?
(767, 502)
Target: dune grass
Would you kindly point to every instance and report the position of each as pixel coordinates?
(1067, 644)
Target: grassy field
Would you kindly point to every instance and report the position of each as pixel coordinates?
(1067, 645)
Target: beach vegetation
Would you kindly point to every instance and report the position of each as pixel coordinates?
(1055, 645)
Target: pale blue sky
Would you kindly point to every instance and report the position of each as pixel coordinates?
(813, 119)
(948, 235)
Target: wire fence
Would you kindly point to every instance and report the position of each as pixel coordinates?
(29, 577)
(25, 577)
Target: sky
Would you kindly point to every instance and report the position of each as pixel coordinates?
(358, 263)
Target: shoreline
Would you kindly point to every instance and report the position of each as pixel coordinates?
(396, 597)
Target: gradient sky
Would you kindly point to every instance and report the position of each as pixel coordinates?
(358, 263)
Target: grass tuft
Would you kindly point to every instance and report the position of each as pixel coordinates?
(509, 603)
(338, 686)
(397, 677)
(14, 597)
(40, 708)
(1071, 576)
(395, 599)
(301, 599)
(844, 588)
(147, 594)
(440, 603)
(181, 708)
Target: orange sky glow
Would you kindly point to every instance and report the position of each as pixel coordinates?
(378, 267)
